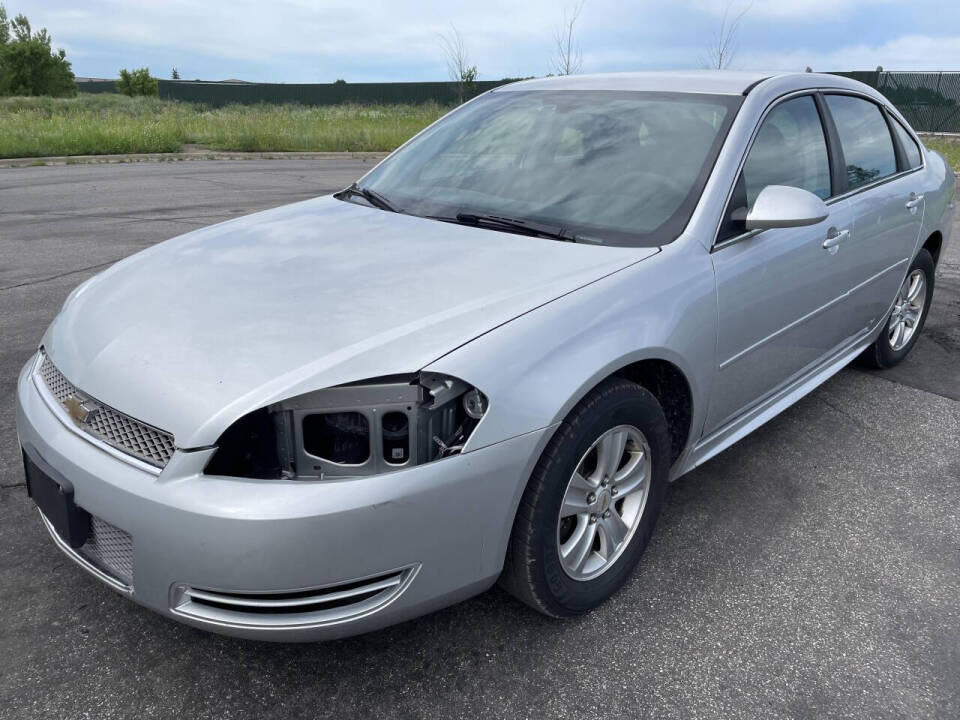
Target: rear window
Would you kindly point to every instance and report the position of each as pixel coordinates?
(865, 139)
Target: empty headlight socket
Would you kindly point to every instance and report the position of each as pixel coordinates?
(403, 422)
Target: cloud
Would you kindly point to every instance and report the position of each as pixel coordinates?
(809, 10)
(384, 40)
(910, 52)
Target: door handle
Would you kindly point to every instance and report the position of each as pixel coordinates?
(834, 238)
(914, 201)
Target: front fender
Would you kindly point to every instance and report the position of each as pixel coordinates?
(537, 367)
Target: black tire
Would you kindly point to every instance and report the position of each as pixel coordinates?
(532, 571)
(881, 353)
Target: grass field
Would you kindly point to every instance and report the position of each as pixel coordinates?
(948, 147)
(104, 124)
(108, 124)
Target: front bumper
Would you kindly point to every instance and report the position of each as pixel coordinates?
(421, 538)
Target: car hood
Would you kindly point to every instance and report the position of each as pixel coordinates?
(195, 332)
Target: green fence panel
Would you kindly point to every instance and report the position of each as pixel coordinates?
(930, 101)
(217, 94)
(97, 86)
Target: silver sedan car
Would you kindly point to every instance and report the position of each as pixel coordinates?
(484, 360)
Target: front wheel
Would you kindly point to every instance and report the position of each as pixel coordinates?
(906, 319)
(592, 501)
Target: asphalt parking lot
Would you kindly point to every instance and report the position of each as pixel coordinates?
(813, 570)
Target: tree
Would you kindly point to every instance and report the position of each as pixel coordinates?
(723, 48)
(568, 59)
(137, 82)
(458, 62)
(28, 65)
(175, 75)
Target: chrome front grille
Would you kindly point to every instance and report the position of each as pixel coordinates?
(298, 608)
(110, 549)
(113, 427)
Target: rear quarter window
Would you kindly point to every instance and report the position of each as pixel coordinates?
(910, 148)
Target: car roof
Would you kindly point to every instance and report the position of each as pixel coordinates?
(714, 82)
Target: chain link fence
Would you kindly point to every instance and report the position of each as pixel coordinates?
(930, 101)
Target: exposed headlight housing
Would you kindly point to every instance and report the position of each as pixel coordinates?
(366, 428)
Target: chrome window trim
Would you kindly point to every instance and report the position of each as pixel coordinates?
(870, 186)
(57, 409)
(721, 244)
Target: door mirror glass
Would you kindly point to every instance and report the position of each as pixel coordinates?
(781, 206)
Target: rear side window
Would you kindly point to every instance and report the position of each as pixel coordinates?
(865, 139)
(910, 148)
(790, 149)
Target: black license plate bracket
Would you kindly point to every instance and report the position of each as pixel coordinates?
(53, 494)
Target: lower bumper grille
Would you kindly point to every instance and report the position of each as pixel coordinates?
(296, 609)
(107, 553)
(110, 549)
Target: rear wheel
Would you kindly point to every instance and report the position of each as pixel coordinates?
(591, 504)
(906, 319)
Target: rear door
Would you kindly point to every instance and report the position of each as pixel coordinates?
(779, 291)
(880, 161)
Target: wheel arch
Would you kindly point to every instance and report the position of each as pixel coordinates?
(670, 387)
(933, 245)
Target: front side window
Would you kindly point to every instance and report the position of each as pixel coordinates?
(910, 148)
(865, 139)
(612, 167)
(789, 149)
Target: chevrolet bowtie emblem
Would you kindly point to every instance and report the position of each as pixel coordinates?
(76, 409)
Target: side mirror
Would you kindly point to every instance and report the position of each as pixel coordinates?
(781, 206)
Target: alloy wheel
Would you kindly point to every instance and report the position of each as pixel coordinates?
(604, 502)
(907, 310)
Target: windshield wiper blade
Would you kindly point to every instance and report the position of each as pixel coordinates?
(371, 196)
(529, 227)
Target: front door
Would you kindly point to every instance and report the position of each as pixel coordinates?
(779, 292)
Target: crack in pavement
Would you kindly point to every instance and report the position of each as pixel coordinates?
(64, 274)
(192, 219)
(843, 411)
(104, 216)
(901, 383)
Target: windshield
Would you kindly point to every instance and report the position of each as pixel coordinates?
(611, 167)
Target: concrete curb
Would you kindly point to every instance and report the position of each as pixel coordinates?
(180, 156)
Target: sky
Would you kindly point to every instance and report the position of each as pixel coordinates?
(305, 41)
